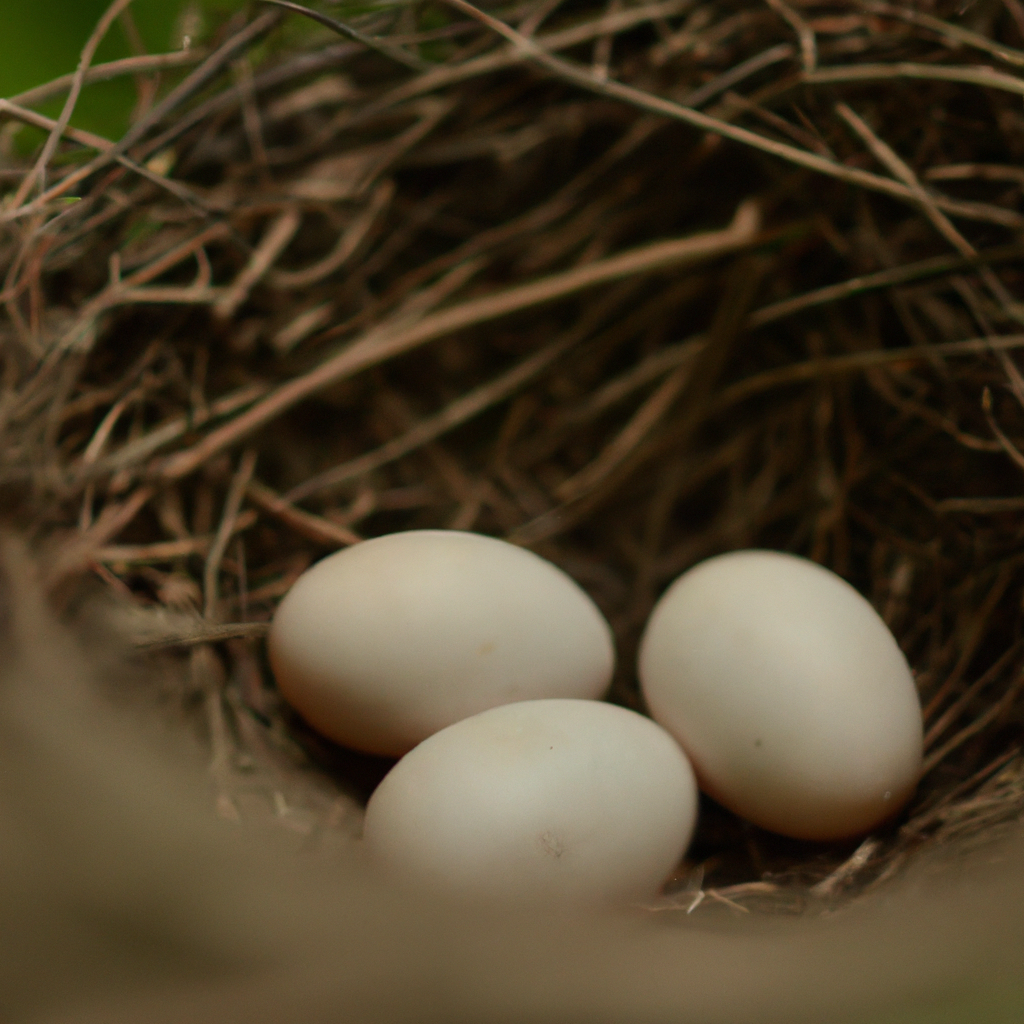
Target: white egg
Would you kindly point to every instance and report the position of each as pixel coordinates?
(549, 800)
(381, 644)
(787, 691)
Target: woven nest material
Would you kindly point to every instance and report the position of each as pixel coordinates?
(629, 284)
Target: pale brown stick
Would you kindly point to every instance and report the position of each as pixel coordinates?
(949, 716)
(621, 21)
(988, 77)
(166, 550)
(38, 120)
(120, 290)
(883, 279)
(1000, 707)
(848, 869)
(811, 368)
(310, 526)
(429, 429)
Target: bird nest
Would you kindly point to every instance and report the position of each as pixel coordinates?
(629, 284)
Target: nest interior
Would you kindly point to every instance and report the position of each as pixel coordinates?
(630, 284)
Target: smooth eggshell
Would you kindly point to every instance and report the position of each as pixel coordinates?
(381, 644)
(550, 800)
(788, 692)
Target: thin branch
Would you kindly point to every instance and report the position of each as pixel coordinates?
(221, 58)
(205, 633)
(298, 66)
(887, 156)
(889, 159)
(950, 715)
(348, 242)
(121, 290)
(37, 120)
(79, 550)
(134, 452)
(442, 77)
(846, 871)
(643, 421)
(737, 74)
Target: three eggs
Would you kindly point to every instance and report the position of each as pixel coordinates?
(481, 665)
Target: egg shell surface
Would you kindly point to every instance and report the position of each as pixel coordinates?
(554, 801)
(788, 692)
(384, 643)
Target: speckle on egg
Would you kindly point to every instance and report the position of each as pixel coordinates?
(556, 801)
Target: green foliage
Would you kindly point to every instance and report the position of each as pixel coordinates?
(42, 39)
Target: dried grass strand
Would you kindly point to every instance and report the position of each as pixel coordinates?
(176, 188)
(950, 715)
(983, 76)
(313, 527)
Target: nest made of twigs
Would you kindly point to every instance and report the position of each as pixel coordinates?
(630, 284)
